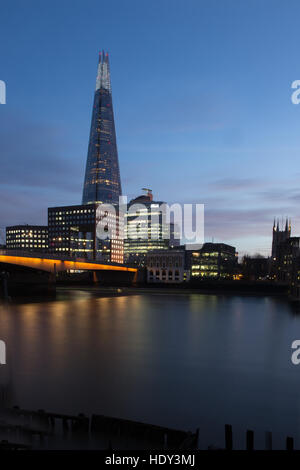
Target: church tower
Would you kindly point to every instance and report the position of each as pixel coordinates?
(280, 236)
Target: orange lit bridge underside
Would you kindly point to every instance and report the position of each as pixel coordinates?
(57, 265)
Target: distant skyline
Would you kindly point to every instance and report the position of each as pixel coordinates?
(202, 103)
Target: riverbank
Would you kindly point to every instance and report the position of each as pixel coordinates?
(39, 284)
(228, 287)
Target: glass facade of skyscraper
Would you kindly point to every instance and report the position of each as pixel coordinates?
(73, 233)
(102, 182)
(146, 230)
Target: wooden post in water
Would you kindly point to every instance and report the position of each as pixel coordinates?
(228, 437)
(52, 422)
(95, 277)
(5, 290)
(289, 443)
(197, 439)
(249, 440)
(165, 440)
(65, 425)
(135, 278)
(4, 276)
(268, 440)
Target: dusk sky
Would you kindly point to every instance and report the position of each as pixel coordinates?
(202, 103)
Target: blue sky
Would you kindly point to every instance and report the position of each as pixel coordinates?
(202, 102)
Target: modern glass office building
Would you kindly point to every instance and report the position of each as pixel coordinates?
(73, 233)
(102, 182)
(146, 230)
(213, 261)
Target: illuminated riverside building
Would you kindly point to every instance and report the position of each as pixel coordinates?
(102, 182)
(145, 229)
(213, 261)
(27, 238)
(73, 232)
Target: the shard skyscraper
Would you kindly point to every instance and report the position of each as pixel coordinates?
(102, 182)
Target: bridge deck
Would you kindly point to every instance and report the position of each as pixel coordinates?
(54, 263)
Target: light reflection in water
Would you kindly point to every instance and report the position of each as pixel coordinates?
(183, 361)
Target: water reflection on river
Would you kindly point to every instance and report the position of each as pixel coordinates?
(182, 361)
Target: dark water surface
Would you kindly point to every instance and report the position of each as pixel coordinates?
(183, 361)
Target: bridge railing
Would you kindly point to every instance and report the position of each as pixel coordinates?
(36, 254)
(54, 256)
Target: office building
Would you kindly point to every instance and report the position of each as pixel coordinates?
(213, 261)
(167, 266)
(74, 231)
(146, 229)
(255, 268)
(27, 238)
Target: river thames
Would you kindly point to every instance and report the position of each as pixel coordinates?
(185, 361)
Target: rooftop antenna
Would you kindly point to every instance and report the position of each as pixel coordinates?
(149, 192)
